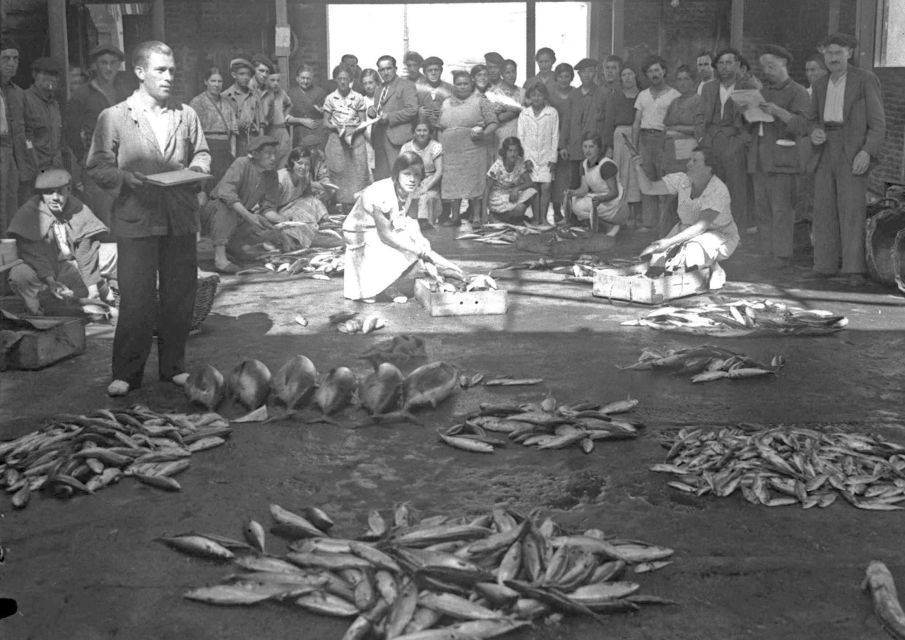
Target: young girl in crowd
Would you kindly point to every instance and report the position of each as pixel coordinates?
(600, 196)
(538, 130)
(509, 189)
(427, 194)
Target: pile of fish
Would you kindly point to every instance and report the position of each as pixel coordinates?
(385, 393)
(544, 425)
(502, 232)
(471, 283)
(318, 263)
(781, 466)
(80, 454)
(739, 317)
(437, 578)
(349, 322)
(706, 363)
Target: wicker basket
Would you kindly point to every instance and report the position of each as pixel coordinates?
(880, 238)
(205, 290)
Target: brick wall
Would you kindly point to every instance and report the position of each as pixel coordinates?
(892, 81)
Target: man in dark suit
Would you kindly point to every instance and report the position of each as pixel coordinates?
(719, 125)
(848, 125)
(397, 106)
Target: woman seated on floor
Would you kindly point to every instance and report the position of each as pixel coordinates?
(706, 233)
(299, 209)
(383, 243)
(509, 185)
(600, 198)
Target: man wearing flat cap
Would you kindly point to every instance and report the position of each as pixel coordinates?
(432, 91)
(413, 62)
(243, 203)
(57, 237)
(586, 107)
(244, 103)
(16, 160)
(43, 120)
(774, 158)
(848, 125)
(154, 226)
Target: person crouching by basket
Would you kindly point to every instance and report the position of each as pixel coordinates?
(509, 187)
(600, 200)
(58, 239)
(243, 205)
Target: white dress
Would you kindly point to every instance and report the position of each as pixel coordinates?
(614, 211)
(372, 265)
(721, 238)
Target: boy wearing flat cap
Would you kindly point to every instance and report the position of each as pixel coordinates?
(432, 91)
(57, 238)
(43, 120)
(848, 124)
(244, 102)
(774, 158)
(241, 202)
(586, 109)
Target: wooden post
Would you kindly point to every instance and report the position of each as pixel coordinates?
(530, 37)
(865, 31)
(282, 42)
(737, 20)
(158, 20)
(59, 41)
(832, 25)
(618, 38)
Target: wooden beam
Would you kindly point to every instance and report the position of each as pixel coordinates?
(832, 25)
(282, 42)
(737, 22)
(158, 20)
(530, 37)
(59, 40)
(866, 25)
(618, 38)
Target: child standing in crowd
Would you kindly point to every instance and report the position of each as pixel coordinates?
(538, 130)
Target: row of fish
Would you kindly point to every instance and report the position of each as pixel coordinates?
(728, 317)
(318, 263)
(297, 383)
(430, 579)
(545, 425)
(707, 363)
(81, 454)
(780, 466)
(502, 233)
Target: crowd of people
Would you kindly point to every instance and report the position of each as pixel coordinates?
(691, 155)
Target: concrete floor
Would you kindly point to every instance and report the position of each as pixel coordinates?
(89, 569)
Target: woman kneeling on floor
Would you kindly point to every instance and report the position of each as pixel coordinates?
(600, 198)
(509, 187)
(706, 233)
(382, 242)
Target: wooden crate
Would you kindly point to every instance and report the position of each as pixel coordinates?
(38, 342)
(547, 244)
(461, 303)
(630, 283)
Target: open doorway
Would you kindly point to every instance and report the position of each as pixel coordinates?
(459, 33)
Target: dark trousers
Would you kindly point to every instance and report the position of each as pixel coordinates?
(731, 167)
(839, 210)
(775, 212)
(385, 152)
(148, 267)
(651, 146)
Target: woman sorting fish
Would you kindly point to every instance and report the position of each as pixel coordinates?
(706, 232)
(383, 243)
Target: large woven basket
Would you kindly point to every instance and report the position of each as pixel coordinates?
(880, 238)
(205, 290)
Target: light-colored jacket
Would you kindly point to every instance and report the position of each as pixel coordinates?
(124, 141)
(539, 135)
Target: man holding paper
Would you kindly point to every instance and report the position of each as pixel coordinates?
(773, 157)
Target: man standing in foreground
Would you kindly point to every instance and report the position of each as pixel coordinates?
(848, 125)
(154, 226)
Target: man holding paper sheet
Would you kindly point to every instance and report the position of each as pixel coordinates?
(773, 157)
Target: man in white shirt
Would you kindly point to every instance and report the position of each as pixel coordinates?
(705, 69)
(848, 125)
(649, 136)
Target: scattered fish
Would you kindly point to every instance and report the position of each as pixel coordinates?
(882, 588)
(249, 383)
(205, 386)
(295, 382)
(381, 391)
(706, 363)
(335, 391)
(428, 385)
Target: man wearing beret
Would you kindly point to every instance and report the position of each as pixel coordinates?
(241, 202)
(586, 108)
(848, 125)
(43, 121)
(57, 238)
(773, 157)
(244, 102)
(16, 160)
(432, 91)
(154, 226)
